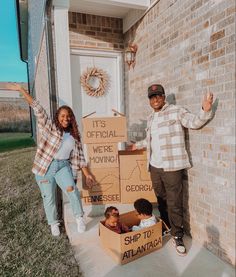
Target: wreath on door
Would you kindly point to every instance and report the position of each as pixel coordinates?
(94, 81)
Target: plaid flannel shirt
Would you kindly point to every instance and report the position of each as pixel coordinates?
(173, 120)
(49, 143)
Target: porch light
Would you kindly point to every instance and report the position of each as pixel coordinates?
(130, 54)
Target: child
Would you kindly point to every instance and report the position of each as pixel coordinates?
(144, 213)
(112, 221)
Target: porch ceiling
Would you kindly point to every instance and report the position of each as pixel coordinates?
(111, 8)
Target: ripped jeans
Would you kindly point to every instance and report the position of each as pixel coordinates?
(59, 172)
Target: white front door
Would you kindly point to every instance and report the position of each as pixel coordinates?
(83, 104)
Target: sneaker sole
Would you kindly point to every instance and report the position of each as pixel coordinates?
(179, 253)
(56, 235)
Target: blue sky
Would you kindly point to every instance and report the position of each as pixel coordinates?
(11, 67)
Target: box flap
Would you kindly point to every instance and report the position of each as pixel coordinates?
(129, 219)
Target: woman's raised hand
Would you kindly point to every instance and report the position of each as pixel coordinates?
(14, 86)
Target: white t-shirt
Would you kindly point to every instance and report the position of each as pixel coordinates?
(156, 159)
(67, 145)
(145, 223)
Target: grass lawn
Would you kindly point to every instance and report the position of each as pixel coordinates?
(26, 245)
(11, 141)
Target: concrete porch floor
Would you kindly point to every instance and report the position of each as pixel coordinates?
(95, 262)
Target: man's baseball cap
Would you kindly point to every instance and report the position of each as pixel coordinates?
(156, 89)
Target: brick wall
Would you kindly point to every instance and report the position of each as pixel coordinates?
(189, 47)
(92, 31)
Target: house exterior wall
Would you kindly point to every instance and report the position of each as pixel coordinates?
(92, 31)
(36, 27)
(189, 47)
(37, 57)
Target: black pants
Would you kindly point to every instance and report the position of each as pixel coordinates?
(168, 187)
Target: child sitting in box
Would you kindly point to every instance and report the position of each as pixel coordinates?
(144, 212)
(112, 221)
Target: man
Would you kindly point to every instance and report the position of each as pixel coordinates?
(167, 156)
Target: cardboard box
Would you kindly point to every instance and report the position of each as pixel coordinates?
(103, 155)
(104, 129)
(127, 247)
(135, 181)
(107, 189)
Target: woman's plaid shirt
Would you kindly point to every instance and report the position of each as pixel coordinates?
(49, 143)
(172, 121)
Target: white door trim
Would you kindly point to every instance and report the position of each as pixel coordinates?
(119, 64)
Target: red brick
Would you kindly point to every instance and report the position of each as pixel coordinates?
(203, 59)
(217, 35)
(218, 53)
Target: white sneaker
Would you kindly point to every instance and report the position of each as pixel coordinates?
(55, 229)
(81, 227)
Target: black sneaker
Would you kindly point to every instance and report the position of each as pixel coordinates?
(179, 246)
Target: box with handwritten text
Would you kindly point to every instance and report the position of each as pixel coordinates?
(104, 129)
(124, 248)
(135, 181)
(102, 135)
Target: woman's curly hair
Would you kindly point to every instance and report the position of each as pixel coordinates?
(73, 127)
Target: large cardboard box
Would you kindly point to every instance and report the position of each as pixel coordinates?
(107, 189)
(127, 247)
(103, 155)
(135, 181)
(104, 129)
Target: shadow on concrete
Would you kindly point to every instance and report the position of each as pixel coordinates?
(93, 222)
(202, 261)
(213, 243)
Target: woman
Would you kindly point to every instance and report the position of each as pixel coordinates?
(58, 159)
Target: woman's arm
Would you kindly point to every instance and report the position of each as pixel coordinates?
(42, 116)
(24, 92)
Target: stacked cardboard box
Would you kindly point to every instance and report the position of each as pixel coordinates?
(121, 176)
(135, 179)
(101, 136)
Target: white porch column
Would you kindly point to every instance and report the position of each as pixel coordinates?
(62, 46)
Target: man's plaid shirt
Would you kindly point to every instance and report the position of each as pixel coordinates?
(49, 143)
(173, 120)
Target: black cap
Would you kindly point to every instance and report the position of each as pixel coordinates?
(156, 89)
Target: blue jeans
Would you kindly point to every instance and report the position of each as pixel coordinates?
(59, 172)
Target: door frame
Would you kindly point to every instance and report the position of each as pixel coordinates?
(119, 65)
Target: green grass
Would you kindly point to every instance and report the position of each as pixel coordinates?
(26, 245)
(12, 141)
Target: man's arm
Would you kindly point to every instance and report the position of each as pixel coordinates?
(137, 145)
(193, 121)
